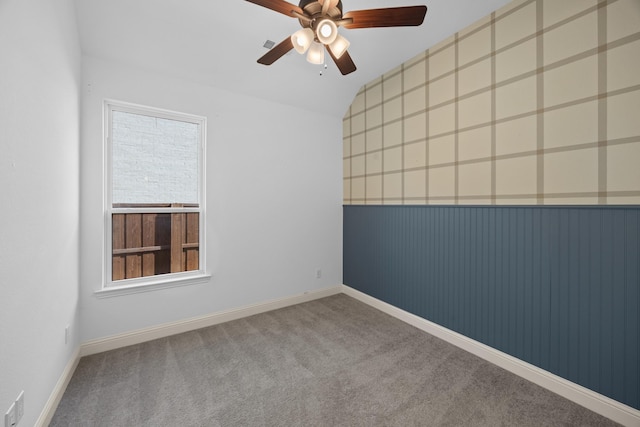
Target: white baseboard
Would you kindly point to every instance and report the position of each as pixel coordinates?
(168, 329)
(56, 395)
(593, 401)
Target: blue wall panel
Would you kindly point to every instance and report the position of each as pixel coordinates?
(557, 287)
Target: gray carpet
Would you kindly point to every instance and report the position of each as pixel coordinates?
(330, 362)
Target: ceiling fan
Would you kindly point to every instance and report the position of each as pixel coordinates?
(320, 20)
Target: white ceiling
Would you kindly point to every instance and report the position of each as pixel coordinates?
(217, 43)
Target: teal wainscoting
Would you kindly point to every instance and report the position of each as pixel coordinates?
(557, 287)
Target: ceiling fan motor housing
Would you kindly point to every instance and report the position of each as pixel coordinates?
(313, 9)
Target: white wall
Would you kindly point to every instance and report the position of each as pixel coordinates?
(273, 197)
(39, 130)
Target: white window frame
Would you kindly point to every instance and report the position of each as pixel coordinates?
(144, 284)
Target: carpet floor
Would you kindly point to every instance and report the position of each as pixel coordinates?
(330, 362)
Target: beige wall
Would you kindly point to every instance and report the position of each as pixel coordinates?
(538, 103)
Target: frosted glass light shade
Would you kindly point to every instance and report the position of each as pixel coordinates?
(316, 53)
(339, 46)
(302, 39)
(327, 31)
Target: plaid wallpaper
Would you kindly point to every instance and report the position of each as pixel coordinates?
(538, 103)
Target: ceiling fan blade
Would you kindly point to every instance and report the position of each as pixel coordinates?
(345, 63)
(407, 16)
(281, 6)
(276, 52)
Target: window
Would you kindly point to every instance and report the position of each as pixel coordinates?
(154, 195)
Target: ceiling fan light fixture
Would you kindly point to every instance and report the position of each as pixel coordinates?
(315, 55)
(302, 39)
(326, 31)
(339, 46)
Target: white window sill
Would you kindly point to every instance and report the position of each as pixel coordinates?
(152, 285)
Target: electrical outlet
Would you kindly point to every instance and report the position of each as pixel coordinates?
(19, 406)
(10, 419)
(66, 334)
(318, 273)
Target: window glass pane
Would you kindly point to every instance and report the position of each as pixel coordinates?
(154, 160)
(149, 244)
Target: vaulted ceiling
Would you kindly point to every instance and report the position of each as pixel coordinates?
(217, 43)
